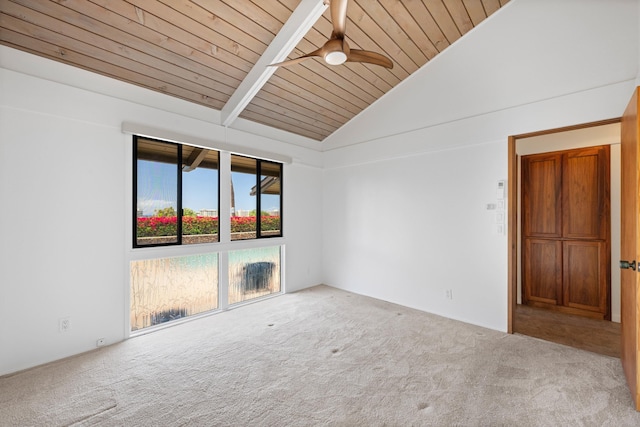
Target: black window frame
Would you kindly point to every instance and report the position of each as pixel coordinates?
(259, 200)
(179, 208)
(259, 163)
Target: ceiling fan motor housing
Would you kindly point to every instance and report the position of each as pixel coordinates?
(337, 51)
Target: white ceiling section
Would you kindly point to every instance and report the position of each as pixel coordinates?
(525, 36)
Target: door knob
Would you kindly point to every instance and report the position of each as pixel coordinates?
(628, 264)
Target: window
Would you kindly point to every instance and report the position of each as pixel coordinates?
(256, 198)
(167, 289)
(175, 192)
(253, 273)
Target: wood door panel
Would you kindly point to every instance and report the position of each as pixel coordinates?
(585, 275)
(541, 195)
(542, 271)
(585, 193)
(629, 246)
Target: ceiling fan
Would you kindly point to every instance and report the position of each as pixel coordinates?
(336, 50)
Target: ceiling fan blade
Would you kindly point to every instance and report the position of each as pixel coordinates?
(338, 18)
(318, 53)
(356, 55)
(290, 62)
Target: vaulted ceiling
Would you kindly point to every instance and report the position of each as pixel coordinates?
(216, 52)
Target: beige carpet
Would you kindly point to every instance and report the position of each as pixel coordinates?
(323, 357)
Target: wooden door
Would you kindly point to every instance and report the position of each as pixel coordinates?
(542, 227)
(566, 231)
(586, 230)
(630, 302)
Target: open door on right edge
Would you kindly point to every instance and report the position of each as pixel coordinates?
(629, 277)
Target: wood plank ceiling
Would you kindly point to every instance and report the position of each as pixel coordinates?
(201, 50)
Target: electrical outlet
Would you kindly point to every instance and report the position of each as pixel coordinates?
(449, 294)
(99, 342)
(64, 324)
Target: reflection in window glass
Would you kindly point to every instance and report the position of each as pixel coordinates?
(270, 202)
(176, 193)
(243, 204)
(199, 195)
(156, 193)
(167, 289)
(256, 198)
(253, 273)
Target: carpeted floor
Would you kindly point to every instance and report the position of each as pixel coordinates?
(323, 357)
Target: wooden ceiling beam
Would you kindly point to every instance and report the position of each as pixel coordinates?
(194, 160)
(301, 21)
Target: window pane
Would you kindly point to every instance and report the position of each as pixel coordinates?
(244, 171)
(270, 194)
(157, 192)
(172, 288)
(253, 273)
(199, 195)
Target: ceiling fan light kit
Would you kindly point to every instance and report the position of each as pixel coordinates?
(336, 50)
(335, 58)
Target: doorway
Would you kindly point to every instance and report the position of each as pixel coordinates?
(599, 336)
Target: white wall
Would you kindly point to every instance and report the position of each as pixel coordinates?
(407, 229)
(65, 191)
(406, 182)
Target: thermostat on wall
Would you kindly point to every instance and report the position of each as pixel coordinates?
(501, 189)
